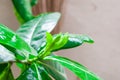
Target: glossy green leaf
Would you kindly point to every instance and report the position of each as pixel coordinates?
(19, 18)
(23, 8)
(75, 40)
(58, 41)
(6, 55)
(5, 72)
(54, 69)
(34, 72)
(9, 38)
(37, 29)
(53, 43)
(81, 71)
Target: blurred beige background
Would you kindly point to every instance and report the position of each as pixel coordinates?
(100, 19)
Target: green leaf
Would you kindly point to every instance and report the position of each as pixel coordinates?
(23, 8)
(37, 29)
(78, 69)
(9, 38)
(5, 72)
(75, 40)
(53, 43)
(34, 2)
(2, 67)
(19, 18)
(10, 75)
(54, 69)
(34, 72)
(49, 37)
(6, 55)
(58, 41)
(22, 66)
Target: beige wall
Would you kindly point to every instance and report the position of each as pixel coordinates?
(101, 20)
(6, 14)
(98, 18)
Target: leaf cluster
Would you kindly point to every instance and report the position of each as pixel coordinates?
(32, 47)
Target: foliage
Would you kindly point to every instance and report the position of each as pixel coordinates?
(32, 47)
